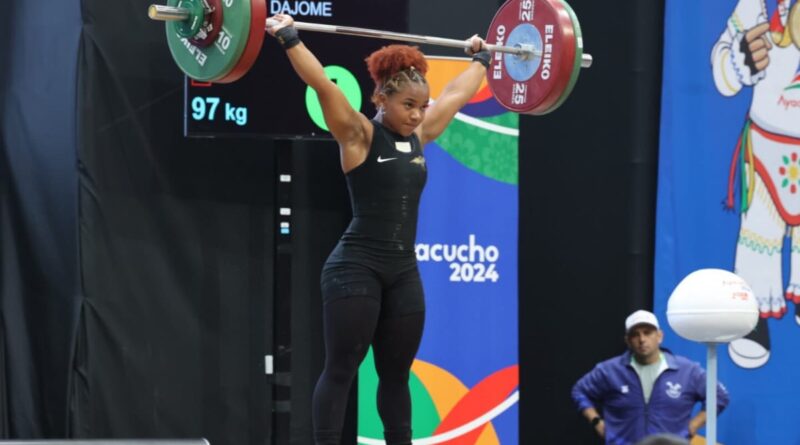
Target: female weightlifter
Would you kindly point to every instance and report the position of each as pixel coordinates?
(371, 288)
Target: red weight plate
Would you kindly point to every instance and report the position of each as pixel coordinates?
(258, 20)
(212, 23)
(576, 67)
(553, 34)
(567, 61)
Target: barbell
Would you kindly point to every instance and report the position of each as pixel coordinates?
(537, 45)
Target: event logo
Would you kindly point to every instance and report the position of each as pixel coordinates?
(787, 102)
(674, 390)
(470, 262)
(445, 410)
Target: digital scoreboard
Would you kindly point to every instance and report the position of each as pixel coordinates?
(271, 100)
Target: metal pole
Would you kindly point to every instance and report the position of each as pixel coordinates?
(522, 51)
(403, 37)
(711, 394)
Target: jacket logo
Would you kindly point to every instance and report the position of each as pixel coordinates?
(624, 389)
(674, 390)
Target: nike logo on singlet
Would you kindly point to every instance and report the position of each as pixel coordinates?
(381, 160)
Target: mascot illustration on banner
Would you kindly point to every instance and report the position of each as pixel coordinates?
(760, 49)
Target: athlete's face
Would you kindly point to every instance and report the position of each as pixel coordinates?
(644, 341)
(404, 110)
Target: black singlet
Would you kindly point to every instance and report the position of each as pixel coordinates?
(385, 192)
(375, 256)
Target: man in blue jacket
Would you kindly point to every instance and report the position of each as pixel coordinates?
(644, 391)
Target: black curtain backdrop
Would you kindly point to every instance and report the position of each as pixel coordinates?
(38, 261)
(320, 213)
(176, 240)
(587, 212)
(136, 284)
(450, 19)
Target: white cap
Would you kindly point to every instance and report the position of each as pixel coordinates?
(641, 317)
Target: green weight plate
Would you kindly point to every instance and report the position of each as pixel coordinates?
(219, 58)
(576, 68)
(190, 26)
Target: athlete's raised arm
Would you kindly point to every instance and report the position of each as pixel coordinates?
(347, 125)
(457, 93)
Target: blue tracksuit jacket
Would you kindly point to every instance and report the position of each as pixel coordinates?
(613, 388)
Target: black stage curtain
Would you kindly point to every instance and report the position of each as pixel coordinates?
(320, 214)
(38, 244)
(587, 212)
(176, 241)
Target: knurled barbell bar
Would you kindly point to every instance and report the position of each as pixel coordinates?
(537, 45)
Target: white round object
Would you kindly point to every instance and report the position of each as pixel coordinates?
(712, 306)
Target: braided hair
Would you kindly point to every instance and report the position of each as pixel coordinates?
(394, 66)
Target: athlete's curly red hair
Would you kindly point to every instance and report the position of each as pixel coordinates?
(393, 67)
(390, 60)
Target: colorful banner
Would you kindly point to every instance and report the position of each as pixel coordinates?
(729, 193)
(464, 383)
